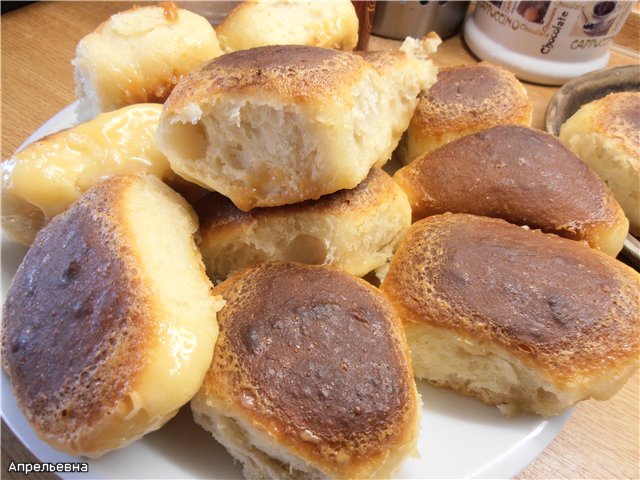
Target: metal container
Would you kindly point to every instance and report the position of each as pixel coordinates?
(215, 12)
(402, 19)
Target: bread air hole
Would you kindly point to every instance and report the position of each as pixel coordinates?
(306, 249)
(188, 140)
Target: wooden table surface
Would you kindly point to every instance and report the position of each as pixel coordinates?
(600, 440)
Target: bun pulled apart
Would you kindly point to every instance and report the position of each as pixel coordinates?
(310, 377)
(109, 324)
(276, 125)
(523, 320)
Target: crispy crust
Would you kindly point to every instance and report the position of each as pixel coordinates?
(522, 175)
(349, 394)
(618, 116)
(384, 61)
(55, 347)
(216, 211)
(468, 98)
(291, 73)
(560, 306)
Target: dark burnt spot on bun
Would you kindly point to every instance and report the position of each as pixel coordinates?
(516, 173)
(320, 354)
(73, 322)
(289, 71)
(554, 302)
(471, 96)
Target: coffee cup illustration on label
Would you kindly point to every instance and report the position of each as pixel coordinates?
(545, 41)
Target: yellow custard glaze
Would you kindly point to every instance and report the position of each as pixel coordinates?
(53, 172)
(180, 347)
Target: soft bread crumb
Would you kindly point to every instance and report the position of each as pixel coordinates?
(306, 132)
(484, 371)
(423, 48)
(355, 230)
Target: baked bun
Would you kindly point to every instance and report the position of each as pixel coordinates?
(401, 72)
(310, 377)
(606, 135)
(332, 24)
(48, 175)
(276, 125)
(465, 99)
(355, 230)
(110, 306)
(138, 56)
(522, 175)
(523, 320)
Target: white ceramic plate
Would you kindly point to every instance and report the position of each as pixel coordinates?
(459, 438)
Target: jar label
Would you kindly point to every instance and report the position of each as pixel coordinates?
(559, 31)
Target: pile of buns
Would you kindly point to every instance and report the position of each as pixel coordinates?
(208, 250)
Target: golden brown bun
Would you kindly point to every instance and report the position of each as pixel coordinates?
(310, 377)
(47, 176)
(138, 56)
(403, 71)
(465, 99)
(606, 135)
(355, 230)
(252, 24)
(520, 319)
(522, 175)
(110, 305)
(277, 125)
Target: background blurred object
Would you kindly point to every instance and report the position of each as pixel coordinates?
(365, 11)
(9, 6)
(629, 36)
(212, 11)
(400, 19)
(543, 41)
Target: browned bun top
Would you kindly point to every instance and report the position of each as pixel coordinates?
(520, 174)
(471, 96)
(75, 322)
(217, 211)
(555, 303)
(317, 358)
(291, 72)
(384, 61)
(619, 116)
